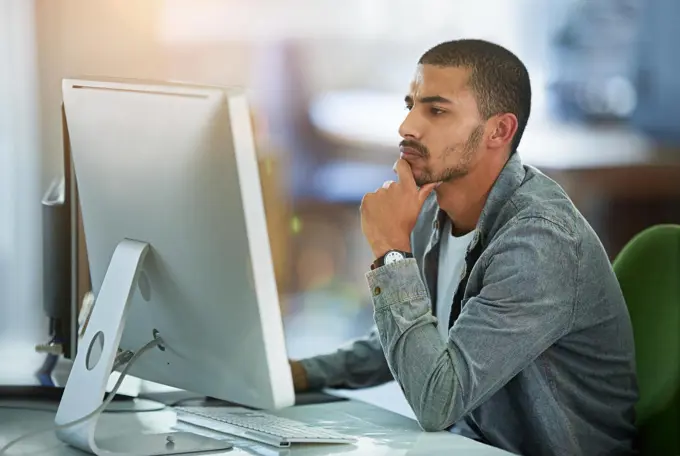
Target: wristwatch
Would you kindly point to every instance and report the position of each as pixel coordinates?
(392, 256)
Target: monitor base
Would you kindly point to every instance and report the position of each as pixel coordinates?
(88, 379)
(162, 444)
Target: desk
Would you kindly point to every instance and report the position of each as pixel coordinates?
(380, 432)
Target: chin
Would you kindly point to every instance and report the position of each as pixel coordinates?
(419, 180)
(422, 179)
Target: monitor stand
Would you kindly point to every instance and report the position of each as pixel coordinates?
(86, 385)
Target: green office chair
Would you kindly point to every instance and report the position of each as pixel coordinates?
(648, 269)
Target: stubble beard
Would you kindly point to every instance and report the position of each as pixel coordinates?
(460, 169)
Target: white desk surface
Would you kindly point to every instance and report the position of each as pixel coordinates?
(379, 432)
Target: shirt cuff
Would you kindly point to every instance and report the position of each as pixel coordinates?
(321, 371)
(396, 283)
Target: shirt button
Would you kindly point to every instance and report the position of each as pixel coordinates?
(376, 291)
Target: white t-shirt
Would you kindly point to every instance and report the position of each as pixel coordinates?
(452, 251)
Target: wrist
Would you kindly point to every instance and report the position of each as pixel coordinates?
(379, 250)
(390, 257)
(300, 380)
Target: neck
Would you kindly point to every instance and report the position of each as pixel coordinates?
(463, 198)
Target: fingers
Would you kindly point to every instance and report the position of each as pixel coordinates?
(425, 191)
(404, 172)
(387, 184)
(367, 198)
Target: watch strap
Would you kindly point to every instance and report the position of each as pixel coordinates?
(381, 261)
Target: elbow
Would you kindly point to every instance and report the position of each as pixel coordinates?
(432, 420)
(429, 425)
(438, 412)
(436, 398)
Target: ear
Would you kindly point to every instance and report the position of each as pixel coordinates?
(503, 128)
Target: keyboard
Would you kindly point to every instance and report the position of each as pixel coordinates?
(259, 426)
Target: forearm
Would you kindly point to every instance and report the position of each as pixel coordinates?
(420, 361)
(512, 320)
(359, 364)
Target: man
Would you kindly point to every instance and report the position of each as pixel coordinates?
(496, 308)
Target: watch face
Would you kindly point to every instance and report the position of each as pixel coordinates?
(393, 256)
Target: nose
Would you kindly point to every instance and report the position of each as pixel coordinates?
(409, 127)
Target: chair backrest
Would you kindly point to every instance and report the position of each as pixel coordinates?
(648, 270)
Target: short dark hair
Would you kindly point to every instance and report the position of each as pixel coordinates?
(498, 78)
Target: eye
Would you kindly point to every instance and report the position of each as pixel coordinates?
(408, 107)
(436, 111)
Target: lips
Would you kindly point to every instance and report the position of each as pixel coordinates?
(410, 152)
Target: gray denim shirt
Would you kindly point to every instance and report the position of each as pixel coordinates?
(540, 356)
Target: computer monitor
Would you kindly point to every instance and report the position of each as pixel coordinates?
(178, 248)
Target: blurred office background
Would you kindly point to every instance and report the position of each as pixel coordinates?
(327, 80)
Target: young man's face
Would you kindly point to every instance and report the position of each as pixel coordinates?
(443, 130)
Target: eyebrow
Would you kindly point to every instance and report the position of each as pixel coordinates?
(427, 100)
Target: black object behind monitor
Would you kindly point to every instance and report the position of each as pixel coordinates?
(60, 257)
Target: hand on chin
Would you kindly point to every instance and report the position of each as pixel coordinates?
(389, 214)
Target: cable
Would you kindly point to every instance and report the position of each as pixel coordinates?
(96, 412)
(122, 359)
